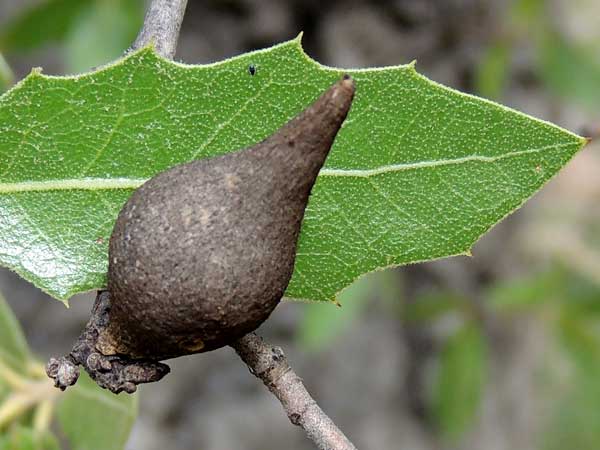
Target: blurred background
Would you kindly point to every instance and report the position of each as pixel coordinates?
(498, 351)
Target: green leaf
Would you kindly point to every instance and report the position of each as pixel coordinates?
(322, 322)
(47, 21)
(418, 172)
(580, 336)
(431, 306)
(460, 381)
(527, 292)
(527, 11)
(579, 296)
(88, 44)
(558, 57)
(22, 438)
(493, 70)
(570, 293)
(6, 74)
(14, 350)
(573, 396)
(94, 419)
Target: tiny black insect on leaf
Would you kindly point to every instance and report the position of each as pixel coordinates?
(252, 69)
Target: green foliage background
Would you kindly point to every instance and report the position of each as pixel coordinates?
(33, 413)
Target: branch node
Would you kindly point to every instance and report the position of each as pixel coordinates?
(117, 373)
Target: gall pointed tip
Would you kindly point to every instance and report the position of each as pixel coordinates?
(342, 93)
(347, 83)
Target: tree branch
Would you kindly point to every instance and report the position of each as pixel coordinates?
(270, 365)
(161, 26)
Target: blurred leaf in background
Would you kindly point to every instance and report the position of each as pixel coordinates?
(91, 32)
(14, 351)
(23, 438)
(323, 321)
(492, 73)
(568, 304)
(102, 33)
(432, 306)
(565, 61)
(569, 58)
(93, 418)
(31, 408)
(46, 22)
(565, 299)
(460, 380)
(7, 77)
(526, 293)
(575, 412)
(570, 71)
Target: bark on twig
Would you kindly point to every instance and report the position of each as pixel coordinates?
(270, 365)
(161, 26)
(117, 373)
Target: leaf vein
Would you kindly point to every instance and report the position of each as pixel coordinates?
(364, 173)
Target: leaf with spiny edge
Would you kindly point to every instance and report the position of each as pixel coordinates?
(418, 171)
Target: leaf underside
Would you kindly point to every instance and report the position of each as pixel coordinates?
(418, 171)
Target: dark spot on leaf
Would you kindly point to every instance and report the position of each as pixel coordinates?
(252, 69)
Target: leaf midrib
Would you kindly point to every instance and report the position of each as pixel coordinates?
(98, 184)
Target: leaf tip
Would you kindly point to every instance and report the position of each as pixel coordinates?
(62, 297)
(412, 67)
(468, 253)
(298, 38)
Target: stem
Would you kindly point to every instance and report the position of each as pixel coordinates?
(161, 26)
(19, 403)
(270, 365)
(42, 417)
(13, 407)
(35, 369)
(12, 378)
